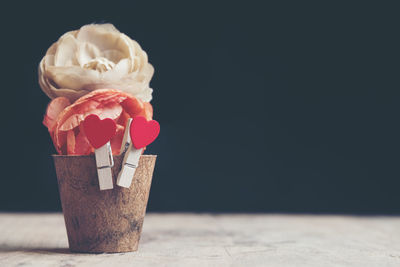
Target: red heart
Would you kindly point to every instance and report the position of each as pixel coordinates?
(97, 131)
(143, 132)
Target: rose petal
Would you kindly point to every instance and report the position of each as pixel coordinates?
(116, 141)
(113, 55)
(103, 95)
(77, 114)
(106, 104)
(86, 52)
(71, 142)
(132, 106)
(66, 50)
(109, 99)
(53, 110)
(118, 72)
(82, 145)
(61, 142)
(116, 60)
(104, 40)
(123, 119)
(73, 77)
(112, 112)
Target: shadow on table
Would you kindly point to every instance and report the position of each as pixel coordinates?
(41, 250)
(47, 251)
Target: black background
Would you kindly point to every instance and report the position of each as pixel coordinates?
(290, 107)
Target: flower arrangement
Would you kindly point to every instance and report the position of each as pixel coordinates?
(98, 80)
(75, 73)
(64, 120)
(96, 56)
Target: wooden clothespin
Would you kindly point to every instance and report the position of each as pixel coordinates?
(130, 161)
(99, 132)
(138, 134)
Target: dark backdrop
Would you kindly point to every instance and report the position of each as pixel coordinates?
(263, 107)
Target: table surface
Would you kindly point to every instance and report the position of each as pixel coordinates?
(213, 240)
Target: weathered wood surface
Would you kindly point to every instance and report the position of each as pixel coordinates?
(214, 240)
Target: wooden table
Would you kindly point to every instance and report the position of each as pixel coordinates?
(213, 240)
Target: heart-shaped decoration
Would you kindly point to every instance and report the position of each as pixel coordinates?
(97, 131)
(143, 132)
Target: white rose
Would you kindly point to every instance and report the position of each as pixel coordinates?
(94, 57)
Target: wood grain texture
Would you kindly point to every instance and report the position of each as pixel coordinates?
(214, 240)
(102, 221)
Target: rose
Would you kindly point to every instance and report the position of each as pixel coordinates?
(64, 120)
(94, 57)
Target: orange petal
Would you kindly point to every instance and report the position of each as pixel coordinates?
(101, 94)
(146, 112)
(76, 114)
(60, 141)
(132, 106)
(82, 145)
(106, 103)
(107, 99)
(112, 112)
(71, 142)
(116, 141)
(53, 110)
(123, 119)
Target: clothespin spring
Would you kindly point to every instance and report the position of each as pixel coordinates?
(110, 157)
